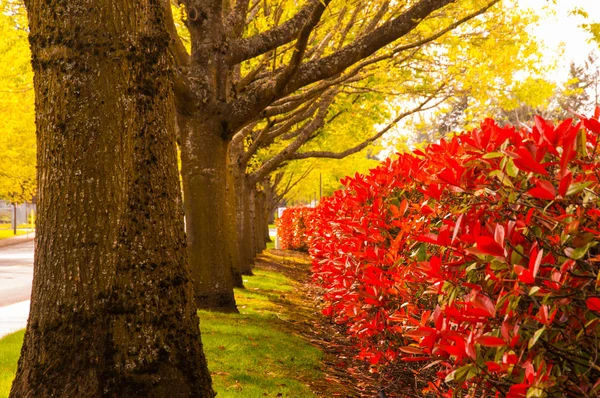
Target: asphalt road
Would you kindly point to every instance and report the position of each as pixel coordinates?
(16, 273)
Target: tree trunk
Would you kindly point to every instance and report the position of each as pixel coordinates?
(252, 216)
(235, 259)
(244, 231)
(263, 228)
(265, 218)
(257, 230)
(111, 308)
(207, 204)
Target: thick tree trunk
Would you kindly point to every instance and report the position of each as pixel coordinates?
(207, 202)
(111, 309)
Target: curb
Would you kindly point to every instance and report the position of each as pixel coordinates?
(17, 239)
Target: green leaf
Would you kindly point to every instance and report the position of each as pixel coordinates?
(578, 187)
(492, 155)
(534, 290)
(461, 374)
(511, 169)
(535, 392)
(535, 337)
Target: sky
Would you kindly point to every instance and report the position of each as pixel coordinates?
(560, 34)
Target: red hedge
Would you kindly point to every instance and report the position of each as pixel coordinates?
(478, 256)
(292, 228)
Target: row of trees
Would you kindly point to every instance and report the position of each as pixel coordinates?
(243, 87)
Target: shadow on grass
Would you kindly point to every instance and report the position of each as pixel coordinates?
(257, 353)
(264, 351)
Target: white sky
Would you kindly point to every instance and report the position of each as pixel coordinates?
(560, 34)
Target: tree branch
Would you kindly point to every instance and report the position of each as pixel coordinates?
(249, 106)
(236, 19)
(248, 48)
(368, 141)
(176, 47)
(305, 132)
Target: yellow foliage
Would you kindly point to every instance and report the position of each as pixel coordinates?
(17, 116)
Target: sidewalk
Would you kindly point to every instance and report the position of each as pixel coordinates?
(17, 239)
(13, 317)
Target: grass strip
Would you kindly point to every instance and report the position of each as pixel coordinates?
(250, 354)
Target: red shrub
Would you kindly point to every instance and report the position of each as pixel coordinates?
(292, 228)
(479, 256)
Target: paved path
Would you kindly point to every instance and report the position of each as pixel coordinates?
(13, 317)
(16, 275)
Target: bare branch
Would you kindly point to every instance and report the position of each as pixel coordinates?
(366, 45)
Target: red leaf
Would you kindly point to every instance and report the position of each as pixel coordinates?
(592, 125)
(593, 303)
(526, 162)
(488, 245)
(456, 228)
(568, 145)
(412, 350)
(493, 366)
(483, 302)
(524, 274)
(415, 359)
(490, 341)
(540, 193)
(543, 190)
(565, 183)
(426, 210)
(499, 234)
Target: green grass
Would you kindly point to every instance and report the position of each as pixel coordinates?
(251, 354)
(10, 348)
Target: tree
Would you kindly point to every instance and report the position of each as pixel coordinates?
(111, 311)
(17, 137)
(250, 61)
(341, 121)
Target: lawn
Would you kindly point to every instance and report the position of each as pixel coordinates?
(250, 354)
(8, 233)
(10, 348)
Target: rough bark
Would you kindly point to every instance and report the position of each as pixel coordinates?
(206, 190)
(233, 237)
(259, 221)
(252, 207)
(244, 232)
(111, 309)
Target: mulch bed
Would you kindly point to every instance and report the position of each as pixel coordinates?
(345, 375)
